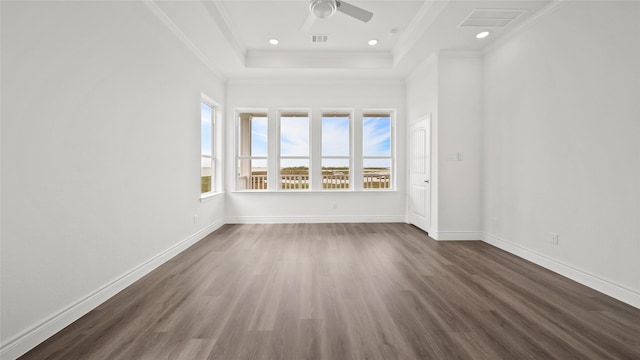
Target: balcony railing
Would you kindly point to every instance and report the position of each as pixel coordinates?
(258, 182)
(335, 181)
(329, 181)
(295, 181)
(376, 181)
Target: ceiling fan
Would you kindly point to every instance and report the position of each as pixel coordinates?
(325, 8)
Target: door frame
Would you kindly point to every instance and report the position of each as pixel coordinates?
(428, 117)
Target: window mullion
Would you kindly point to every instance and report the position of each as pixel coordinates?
(273, 161)
(357, 151)
(316, 150)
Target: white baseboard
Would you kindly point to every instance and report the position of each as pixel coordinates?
(314, 219)
(455, 235)
(604, 286)
(24, 342)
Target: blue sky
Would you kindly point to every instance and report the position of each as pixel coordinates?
(376, 136)
(259, 136)
(205, 133)
(294, 136)
(294, 132)
(335, 136)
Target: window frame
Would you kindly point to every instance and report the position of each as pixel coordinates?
(238, 144)
(215, 142)
(366, 113)
(315, 157)
(349, 114)
(294, 112)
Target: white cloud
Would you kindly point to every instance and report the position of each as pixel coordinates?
(335, 137)
(376, 136)
(259, 136)
(259, 126)
(294, 136)
(258, 133)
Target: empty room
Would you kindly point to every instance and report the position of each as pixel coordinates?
(320, 179)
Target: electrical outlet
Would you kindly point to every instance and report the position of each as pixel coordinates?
(195, 218)
(554, 238)
(334, 205)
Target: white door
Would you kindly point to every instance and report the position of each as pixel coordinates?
(419, 173)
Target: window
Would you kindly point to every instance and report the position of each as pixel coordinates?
(377, 150)
(294, 151)
(252, 151)
(331, 151)
(207, 161)
(336, 151)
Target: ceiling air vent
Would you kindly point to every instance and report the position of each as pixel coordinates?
(496, 18)
(319, 38)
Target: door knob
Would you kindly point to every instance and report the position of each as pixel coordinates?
(427, 181)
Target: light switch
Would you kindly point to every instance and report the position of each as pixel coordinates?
(454, 156)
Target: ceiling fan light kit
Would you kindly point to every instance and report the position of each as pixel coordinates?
(323, 8)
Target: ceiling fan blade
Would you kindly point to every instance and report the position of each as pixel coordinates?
(354, 11)
(308, 23)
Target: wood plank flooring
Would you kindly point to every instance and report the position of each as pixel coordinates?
(349, 291)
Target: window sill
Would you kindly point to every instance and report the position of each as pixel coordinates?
(208, 196)
(323, 192)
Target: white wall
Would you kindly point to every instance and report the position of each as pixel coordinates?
(422, 101)
(316, 206)
(448, 85)
(562, 148)
(460, 133)
(100, 157)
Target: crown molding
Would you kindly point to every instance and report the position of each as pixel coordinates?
(307, 81)
(547, 10)
(458, 54)
(319, 59)
(222, 19)
(420, 23)
(175, 29)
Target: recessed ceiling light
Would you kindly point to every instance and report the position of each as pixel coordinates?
(273, 41)
(482, 35)
(373, 42)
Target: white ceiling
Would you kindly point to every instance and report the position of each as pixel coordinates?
(257, 22)
(232, 36)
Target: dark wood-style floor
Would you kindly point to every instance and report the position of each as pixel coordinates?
(349, 291)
